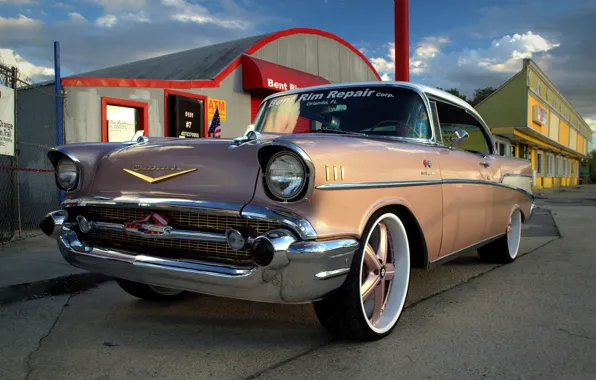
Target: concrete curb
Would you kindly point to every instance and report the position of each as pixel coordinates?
(51, 287)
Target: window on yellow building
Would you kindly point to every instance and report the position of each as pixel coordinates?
(539, 163)
(524, 151)
(549, 164)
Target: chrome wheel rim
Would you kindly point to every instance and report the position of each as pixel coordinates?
(514, 233)
(384, 273)
(165, 291)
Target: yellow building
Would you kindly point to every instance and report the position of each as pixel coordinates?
(540, 125)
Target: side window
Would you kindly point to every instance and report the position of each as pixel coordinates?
(452, 119)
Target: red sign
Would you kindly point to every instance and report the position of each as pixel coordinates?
(259, 74)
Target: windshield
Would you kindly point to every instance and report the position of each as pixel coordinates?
(370, 110)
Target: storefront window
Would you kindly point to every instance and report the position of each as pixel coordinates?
(122, 123)
(122, 118)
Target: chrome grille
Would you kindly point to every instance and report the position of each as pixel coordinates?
(200, 250)
(179, 220)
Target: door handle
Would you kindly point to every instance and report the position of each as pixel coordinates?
(486, 164)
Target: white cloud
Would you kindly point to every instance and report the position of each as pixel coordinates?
(19, 2)
(142, 28)
(592, 123)
(76, 17)
(107, 21)
(385, 66)
(27, 69)
(187, 12)
(20, 22)
(63, 5)
(466, 69)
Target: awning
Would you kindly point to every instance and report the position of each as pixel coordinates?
(259, 74)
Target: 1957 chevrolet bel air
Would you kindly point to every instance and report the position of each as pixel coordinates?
(331, 197)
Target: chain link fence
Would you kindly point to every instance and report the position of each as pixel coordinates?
(27, 185)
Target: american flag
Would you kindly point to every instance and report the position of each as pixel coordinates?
(215, 127)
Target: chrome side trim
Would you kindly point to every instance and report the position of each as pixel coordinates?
(167, 235)
(513, 175)
(288, 219)
(375, 185)
(379, 185)
(462, 251)
(483, 182)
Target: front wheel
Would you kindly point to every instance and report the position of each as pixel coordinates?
(149, 292)
(370, 302)
(506, 248)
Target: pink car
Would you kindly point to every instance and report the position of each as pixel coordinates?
(331, 197)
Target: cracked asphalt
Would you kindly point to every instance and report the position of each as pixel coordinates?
(533, 319)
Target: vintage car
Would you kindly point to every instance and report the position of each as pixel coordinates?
(330, 198)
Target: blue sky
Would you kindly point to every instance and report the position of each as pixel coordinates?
(465, 44)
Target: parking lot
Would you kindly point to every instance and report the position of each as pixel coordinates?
(533, 319)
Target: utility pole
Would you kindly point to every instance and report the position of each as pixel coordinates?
(402, 41)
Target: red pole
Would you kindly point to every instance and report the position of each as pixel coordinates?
(402, 41)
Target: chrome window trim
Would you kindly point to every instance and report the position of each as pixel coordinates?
(423, 95)
(483, 126)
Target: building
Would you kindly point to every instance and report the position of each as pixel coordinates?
(177, 94)
(532, 119)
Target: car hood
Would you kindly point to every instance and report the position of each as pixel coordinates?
(199, 169)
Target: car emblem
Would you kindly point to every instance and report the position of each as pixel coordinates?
(158, 179)
(152, 224)
(427, 163)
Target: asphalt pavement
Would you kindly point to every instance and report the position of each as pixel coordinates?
(533, 319)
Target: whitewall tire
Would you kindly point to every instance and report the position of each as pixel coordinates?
(372, 298)
(506, 248)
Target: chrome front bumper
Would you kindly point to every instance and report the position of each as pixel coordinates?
(309, 270)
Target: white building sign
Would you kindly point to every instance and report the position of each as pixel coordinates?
(6, 121)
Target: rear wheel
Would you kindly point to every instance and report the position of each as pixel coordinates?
(506, 248)
(149, 292)
(370, 302)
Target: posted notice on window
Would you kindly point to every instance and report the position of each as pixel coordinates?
(7, 131)
(121, 130)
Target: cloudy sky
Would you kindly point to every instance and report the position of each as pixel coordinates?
(465, 43)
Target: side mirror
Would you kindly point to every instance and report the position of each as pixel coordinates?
(250, 127)
(459, 137)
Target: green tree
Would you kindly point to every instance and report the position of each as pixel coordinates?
(592, 166)
(480, 94)
(455, 91)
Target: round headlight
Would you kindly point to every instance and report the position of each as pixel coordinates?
(286, 175)
(67, 173)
